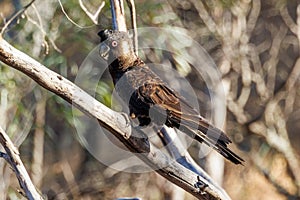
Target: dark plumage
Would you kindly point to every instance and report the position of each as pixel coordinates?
(152, 100)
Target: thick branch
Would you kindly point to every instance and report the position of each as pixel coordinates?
(115, 122)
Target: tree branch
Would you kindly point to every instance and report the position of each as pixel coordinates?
(118, 15)
(20, 12)
(131, 6)
(113, 121)
(182, 156)
(13, 158)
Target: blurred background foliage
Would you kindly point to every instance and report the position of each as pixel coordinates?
(255, 45)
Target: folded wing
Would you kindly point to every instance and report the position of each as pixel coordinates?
(182, 116)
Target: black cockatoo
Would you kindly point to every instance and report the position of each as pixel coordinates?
(151, 100)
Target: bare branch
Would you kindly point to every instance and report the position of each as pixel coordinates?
(13, 158)
(115, 122)
(210, 23)
(69, 18)
(131, 6)
(118, 15)
(267, 174)
(20, 12)
(253, 16)
(93, 16)
(288, 20)
(182, 156)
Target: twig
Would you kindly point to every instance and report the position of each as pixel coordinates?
(207, 19)
(69, 177)
(13, 158)
(277, 134)
(253, 16)
(288, 19)
(93, 16)
(268, 176)
(69, 18)
(39, 25)
(271, 64)
(131, 6)
(118, 15)
(20, 12)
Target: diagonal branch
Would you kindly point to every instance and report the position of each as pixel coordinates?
(113, 121)
(20, 12)
(182, 156)
(13, 158)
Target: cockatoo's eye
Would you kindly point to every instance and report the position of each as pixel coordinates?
(114, 43)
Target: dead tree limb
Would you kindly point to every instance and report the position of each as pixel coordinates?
(13, 158)
(116, 123)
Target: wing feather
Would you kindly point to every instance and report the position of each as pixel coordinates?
(181, 115)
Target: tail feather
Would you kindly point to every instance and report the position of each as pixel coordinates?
(223, 150)
(211, 136)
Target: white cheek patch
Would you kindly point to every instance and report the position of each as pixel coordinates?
(125, 47)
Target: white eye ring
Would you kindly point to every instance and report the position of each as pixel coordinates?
(114, 43)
